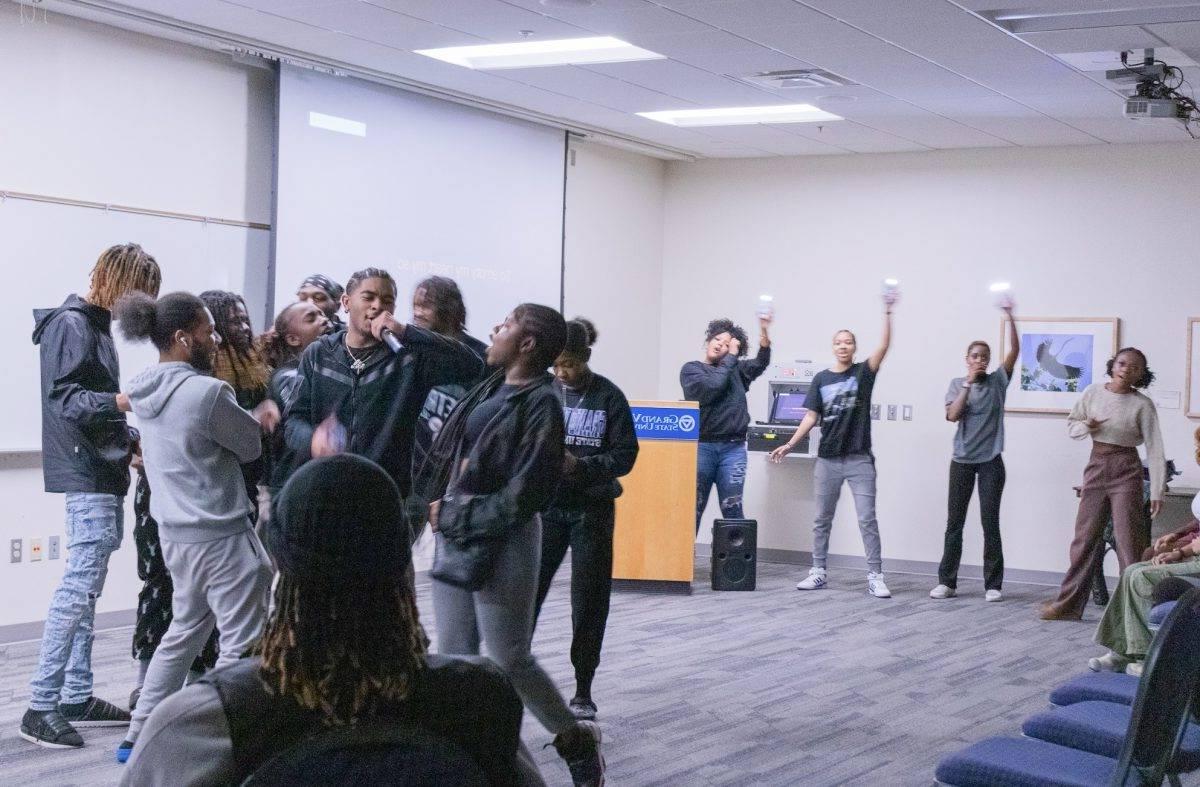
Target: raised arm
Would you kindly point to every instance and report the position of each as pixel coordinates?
(1014, 342)
(876, 359)
(753, 368)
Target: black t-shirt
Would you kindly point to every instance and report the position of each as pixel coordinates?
(843, 401)
(482, 415)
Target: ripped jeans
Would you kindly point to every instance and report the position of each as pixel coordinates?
(725, 465)
(95, 524)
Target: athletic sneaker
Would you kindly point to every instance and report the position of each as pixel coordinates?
(1135, 668)
(123, 752)
(814, 581)
(48, 728)
(583, 708)
(943, 591)
(876, 586)
(1109, 662)
(581, 749)
(95, 712)
(993, 594)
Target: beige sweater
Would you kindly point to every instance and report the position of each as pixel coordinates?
(1129, 420)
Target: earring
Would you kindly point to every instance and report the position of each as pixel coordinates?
(185, 341)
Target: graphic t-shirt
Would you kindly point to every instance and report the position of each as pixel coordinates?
(843, 402)
(980, 434)
(438, 406)
(584, 427)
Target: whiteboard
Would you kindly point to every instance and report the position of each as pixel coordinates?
(424, 187)
(48, 249)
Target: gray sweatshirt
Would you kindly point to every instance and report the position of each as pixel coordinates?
(194, 439)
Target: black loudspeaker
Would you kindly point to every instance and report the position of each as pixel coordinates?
(734, 554)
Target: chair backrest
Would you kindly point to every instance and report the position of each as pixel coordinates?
(384, 754)
(1166, 692)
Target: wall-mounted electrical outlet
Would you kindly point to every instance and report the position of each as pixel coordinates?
(35, 549)
(907, 412)
(53, 553)
(891, 412)
(14, 551)
(875, 412)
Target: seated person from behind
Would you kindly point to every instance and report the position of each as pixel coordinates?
(343, 648)
(1125, 627)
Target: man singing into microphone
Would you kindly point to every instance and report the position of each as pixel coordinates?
(355, 394)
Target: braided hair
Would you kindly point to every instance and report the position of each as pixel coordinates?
(122, 269)
(449, 310)
(548, 328)
(345, 650)
(238, 361)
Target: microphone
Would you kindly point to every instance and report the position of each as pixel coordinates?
(390, 340)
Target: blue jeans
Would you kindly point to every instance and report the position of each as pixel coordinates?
(725, 465)
(94, 528)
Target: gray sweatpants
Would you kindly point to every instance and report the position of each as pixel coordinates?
(828, 476)
(501, 614)
(221, 583)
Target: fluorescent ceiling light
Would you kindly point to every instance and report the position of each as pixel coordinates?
(334, 123)
(741, 116)
(527, 54)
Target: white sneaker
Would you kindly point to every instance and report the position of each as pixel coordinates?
(993, 595)
(1109, 662)
(943, 591)
(876, 586)
(814, 581)
(1135, 668)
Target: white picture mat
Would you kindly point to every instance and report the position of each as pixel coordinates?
(1193, 370)
(1105, 332)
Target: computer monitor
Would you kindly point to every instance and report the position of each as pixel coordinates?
(788, 407)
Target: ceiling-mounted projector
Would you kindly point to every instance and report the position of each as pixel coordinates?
(1138, 108)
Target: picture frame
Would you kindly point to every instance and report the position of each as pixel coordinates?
(1192, 377)
(1059, 358)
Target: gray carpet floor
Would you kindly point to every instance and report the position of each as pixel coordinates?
(774, 687)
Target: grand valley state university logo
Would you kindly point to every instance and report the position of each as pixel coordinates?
(666, 423)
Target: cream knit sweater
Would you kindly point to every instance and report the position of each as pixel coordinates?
(1129, 420)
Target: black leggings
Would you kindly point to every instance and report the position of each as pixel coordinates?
(589, 534)
(991, 486)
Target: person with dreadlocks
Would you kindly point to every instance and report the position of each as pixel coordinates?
(497, 463)
(355, 395)
(298, 325)
(438, 306)
(343, 652)
(195, 437)
(719, 383)
(601, 446)
(86, 448)
(324, 293)
(239, 363)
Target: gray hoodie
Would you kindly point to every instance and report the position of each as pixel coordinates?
(194, 439)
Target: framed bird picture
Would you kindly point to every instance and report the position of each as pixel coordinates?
(1060, 356)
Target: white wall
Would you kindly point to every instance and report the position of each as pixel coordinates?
(615, 204)
(1091, 231)
(95, 113)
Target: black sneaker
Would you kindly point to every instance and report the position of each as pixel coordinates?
(581, 749)
(583, 708)
(95, 713)
(48, 728)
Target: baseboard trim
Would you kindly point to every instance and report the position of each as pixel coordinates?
(793, 557)
(32, 632)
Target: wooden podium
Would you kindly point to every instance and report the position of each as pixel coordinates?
(654, 538)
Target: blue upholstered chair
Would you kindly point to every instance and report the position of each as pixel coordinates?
(1149, 744)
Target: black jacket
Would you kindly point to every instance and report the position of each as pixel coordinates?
(379, 406)
(721, 391)
(467, 701)
(85, 440)
(512, 470)
(281, 391)
(599, 434)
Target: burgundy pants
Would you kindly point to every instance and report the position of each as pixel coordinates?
(1112, 486)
